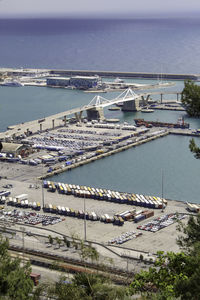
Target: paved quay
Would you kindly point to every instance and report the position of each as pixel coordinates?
(90, 141)
(169, 107)
(187, 132)
(149, 242)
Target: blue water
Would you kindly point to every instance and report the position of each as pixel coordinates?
(21, 104)
(149, 45)
(139, 170)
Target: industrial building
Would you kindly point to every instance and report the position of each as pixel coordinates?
(58, 81)
(79, 82)
(84, 82)
(15, 149)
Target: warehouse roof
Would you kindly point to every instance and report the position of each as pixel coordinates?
(11, 147)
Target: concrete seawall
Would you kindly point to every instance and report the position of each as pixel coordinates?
(143, 75)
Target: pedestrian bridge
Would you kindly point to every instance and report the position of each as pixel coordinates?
(127, 95)
(94, 110)
(130, 99)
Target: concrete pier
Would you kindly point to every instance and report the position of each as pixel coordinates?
(131, 105)
(143, 75)
(103, 155)
(95, 113)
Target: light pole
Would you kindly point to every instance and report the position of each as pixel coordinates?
(42, 186)
(23, 231)
(162, 191)
(127, 265)
(84, 218)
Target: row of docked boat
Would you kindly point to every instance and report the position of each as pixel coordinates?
(106, 195)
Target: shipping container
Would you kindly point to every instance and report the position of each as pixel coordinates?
(46, 208)
(4, 193)
(22, 197)
(38, 206)
(35, 277)
(148, 214)
(139, 218)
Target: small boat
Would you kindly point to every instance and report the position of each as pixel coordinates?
(193, 207)
(114, 108)
(11, 82)
(118, 80)
(119, 104)
(147, 110)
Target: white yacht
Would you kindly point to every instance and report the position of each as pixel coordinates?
(118, 80)
(11, 82)
(147, 110)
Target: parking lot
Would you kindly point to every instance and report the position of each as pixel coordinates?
(55, 149)
(29, 217)
(164, 239)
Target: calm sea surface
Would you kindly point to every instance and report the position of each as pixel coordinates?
(123, 45)
(149, 45)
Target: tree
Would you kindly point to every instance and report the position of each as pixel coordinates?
(189, 288)
(88, 287)
(174, 275)
(191, 98)
(58, 241)
(99, 287)
(191, 233)
(15, 281)
(50, 239)
(161, 278)
(87, 251)
(194, 148)
(66, 242)
(65, 291)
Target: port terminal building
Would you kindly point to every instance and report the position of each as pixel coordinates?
(13, 149)
(79, 82)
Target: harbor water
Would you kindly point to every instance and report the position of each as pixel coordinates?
(137, 170)
(143, 45)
